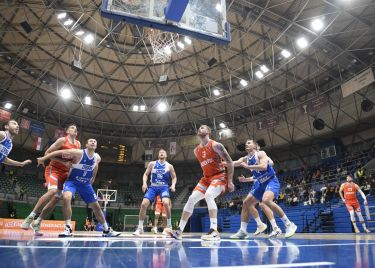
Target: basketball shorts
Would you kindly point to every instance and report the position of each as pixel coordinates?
(259, 189)
(85, 190)
(353, 205)
(55, 177)
(154, 191)
(216, 180)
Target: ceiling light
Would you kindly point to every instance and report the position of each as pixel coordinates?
(259, 74)
(222, 125)
(68, 22)
(8, 105)
(65, 93)
(243, 82)
(88, 39)
(187, 40)
(317, 25)
(286, 54)
(88, 100)
(302, 42)
(218, 7)
(135, 108)
(264, 68)
(168, 50)
(80, 32)
(180, 45)
(142, 107)
(162, 107)
(216, 92)
(61, 15)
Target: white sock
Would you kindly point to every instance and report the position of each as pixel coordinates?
(169, 223)
(213, 223)
(244, 226)
(105, 226)
(38, 220)
(258, 221)
(140, 224)
(68, 223)
(285, 220)
(364, 226)
(32, 214)
(273, 223)
(182, 225)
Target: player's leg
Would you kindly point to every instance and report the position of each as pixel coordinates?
(213, 191)
(52, 183)
(196, 196)
(156, 222)
(360, 217)
(166, 199)
(350, 209)
(147, 200)
(68, 193)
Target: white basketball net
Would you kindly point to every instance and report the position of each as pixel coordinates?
(163, 45)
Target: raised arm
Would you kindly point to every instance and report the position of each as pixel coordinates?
(145, 175)
(55, 146)
(362, 194)
(237, 163)
(222, 152)
(174, 178)
(69, 153)
(263, 162)
(11, 162)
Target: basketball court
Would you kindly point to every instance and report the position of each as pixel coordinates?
(20, 249)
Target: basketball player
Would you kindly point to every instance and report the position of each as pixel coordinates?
(85, 164)
(216, 178)
(55, 174)
(161, 173)
(265, 189)
(159, 209)
(349, 198)
(11, 129)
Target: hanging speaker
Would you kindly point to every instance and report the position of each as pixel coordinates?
(241, 147)
(367, 105)
(261, 143)
(319, 124)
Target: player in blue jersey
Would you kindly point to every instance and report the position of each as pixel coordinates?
(11, 129)
(265, 189)
(161, 174)
(85, 164)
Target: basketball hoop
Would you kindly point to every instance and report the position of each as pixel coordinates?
(163, 45)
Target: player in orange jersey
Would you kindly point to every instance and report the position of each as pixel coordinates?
(217, 178)
(350, 190)
(55, 174)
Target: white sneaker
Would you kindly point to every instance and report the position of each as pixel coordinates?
(290, 230)
(275, 232)
(367, 230)
(240, 235)
(356, 230)
(154, 230)
(36, 228)
(167, 230)
(110, 233)
(176, 234)
(67, 232)
(212, 235)
(260, 229)
(27, 222)
(139, 231)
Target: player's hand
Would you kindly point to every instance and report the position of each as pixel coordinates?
(144, 187)
(173, 188)
(244, 165)
(26, 162)
(343, 200)
(365, 202)
(40, 161)
(230, 186)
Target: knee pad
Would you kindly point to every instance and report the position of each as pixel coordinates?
(352, 216)
(211, 194)
(360, 217)
(194, 198)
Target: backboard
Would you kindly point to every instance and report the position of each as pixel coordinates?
(200, 19)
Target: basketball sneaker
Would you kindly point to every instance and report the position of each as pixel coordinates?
(356, 230)
(290, 230)
(27, 222)
(367, 230)
(176, 234)
(154, 230)
(275, 232)
(167, 230)
(212, 235)
(110, 233)
(240, 235)
(67, 232)
(139, 231)
(36, 228)
(260, 229)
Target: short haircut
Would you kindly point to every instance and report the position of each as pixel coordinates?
(87, 141)
(209, 129)
(257, 145)
(70, 125)
(161, 149)
(7, 123)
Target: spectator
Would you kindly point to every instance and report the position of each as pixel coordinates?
(22, 193)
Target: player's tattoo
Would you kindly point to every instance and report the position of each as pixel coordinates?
(223, 152)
